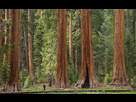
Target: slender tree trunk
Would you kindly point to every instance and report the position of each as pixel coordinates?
(42, 39)
(87, 77)
(22, 69)
(70, 37)
(62, 71)
(9, 37)
(13, 82)
(119, 72)
(31, 69)
(26, 53)
(76, 60)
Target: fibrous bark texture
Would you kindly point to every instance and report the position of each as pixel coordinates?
(62, 71)
(87, 77)
(119, 72)
(13, 82)
(31, 69)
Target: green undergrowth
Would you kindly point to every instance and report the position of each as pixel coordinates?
(88, 93)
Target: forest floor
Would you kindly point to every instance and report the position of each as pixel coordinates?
(39, 87)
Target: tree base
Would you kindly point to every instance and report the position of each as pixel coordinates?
(60, 85)
(118, 83)
(12, 88)
(85, 83)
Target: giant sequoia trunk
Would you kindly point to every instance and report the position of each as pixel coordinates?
(13, 82)
(31, 69)
(62, 71)
(87, 77)
(119, 72)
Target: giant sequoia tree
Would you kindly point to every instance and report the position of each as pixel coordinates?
(87, 77)
(62, 71)
(119, 72)
(13, 82)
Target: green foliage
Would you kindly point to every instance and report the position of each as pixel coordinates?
(41, 80)
(107, 79)
(38, 44)
(5, 72)
(24, 75)
(133, 82)
(100, 79)
(71, 73)
(49, 48)
(28, 82)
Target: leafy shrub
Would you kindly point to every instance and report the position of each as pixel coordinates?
(99, 79)
(107, 79)
(42, 80)
(28, 82)
(25, 75)
(133, 82)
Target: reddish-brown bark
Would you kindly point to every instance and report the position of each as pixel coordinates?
(13, 82)
(87, 76)
(10, 31)
(70, 37)
(76, 59)
(119, 72)
(31, 69)
(62, 71)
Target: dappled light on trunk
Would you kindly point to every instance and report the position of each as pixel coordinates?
(119, 72)
(87, 76)
(62, 71)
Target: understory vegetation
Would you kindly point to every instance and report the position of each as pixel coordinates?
(44, 48)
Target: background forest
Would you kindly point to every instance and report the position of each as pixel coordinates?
(44, 45)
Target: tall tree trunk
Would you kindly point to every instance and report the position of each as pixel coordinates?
(119, 72)
(10, 31)
(42, 39)
(13, 82)
(31, 69)
(87, 77)
(70, 37)
(62, 71)
(76, 60)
